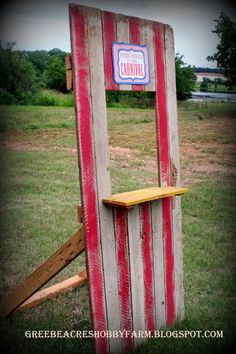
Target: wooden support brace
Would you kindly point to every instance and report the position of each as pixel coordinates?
(54, 290)
(69, 83)
(80, 214)
(46, 271)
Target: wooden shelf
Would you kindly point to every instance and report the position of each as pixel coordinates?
(129, 199)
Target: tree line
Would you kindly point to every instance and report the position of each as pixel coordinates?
(24, 73)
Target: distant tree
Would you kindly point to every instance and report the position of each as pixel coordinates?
(17, 75)
(204, 85)
(39, 58)
(55, 52)
(55, 74)
(225, 57)
(185, 78)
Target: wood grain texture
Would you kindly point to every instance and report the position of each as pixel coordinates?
(132, 266)
(164, 167)
(109, 36)
(103, 182)
(147, 259)
(161, 108)
(136, 269)
(129, 199)
(175, 171)
(135, 38)
(80, 214)
(68, 66)
(69, 80)
(147, 38)
(123, 268)
(87, 163)
(169, 260)
(46, 271)
(158, 264)
(122, 28)
(54, 290)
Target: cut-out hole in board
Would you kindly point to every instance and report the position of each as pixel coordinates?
(132, 140)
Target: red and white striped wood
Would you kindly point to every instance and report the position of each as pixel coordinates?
(84, 121)
(164, 167)
(175, 170)
(158, 264)
(123, 269)
(147, 258)
(137, 272)
(123, 33)
(109, 36)
(135, 38)
(134, 256)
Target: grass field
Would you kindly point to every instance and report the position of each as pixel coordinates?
(40, 192)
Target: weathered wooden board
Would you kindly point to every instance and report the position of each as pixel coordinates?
(59, 260)
(174, 170)
(87, 162)
(54, 290)
(122, 25)
(134, 255)
(123, 271)
(128, 199)
(68, 66)
(147, 259)
(137, 272)
(158, 264)
(101, 154)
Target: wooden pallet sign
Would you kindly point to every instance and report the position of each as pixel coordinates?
(133, 242)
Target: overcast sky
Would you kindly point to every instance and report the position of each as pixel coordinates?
(44, 24)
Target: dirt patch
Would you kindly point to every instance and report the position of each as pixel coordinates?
(40, 141)
(120, 151)
(26, 146)
(120, 157)
(200, 160)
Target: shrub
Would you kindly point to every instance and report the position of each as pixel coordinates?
(53, 98)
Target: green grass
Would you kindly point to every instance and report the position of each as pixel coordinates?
(40, 191)
(16, 118)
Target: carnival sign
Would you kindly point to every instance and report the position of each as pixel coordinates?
(130, 64)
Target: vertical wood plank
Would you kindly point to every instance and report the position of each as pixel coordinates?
(124, 285)
(169, 260)
(109, 36)
(147, 258)
(164, 166)
(158, 262)
(88, 182)
(148, 40)
(122, 24)
(135, 38)
(161, 109)
(175, 169)
(101, 153)
(136, 269)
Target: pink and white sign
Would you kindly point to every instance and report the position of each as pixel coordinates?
(130, 64)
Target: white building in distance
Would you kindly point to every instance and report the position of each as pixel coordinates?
(210, 76)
